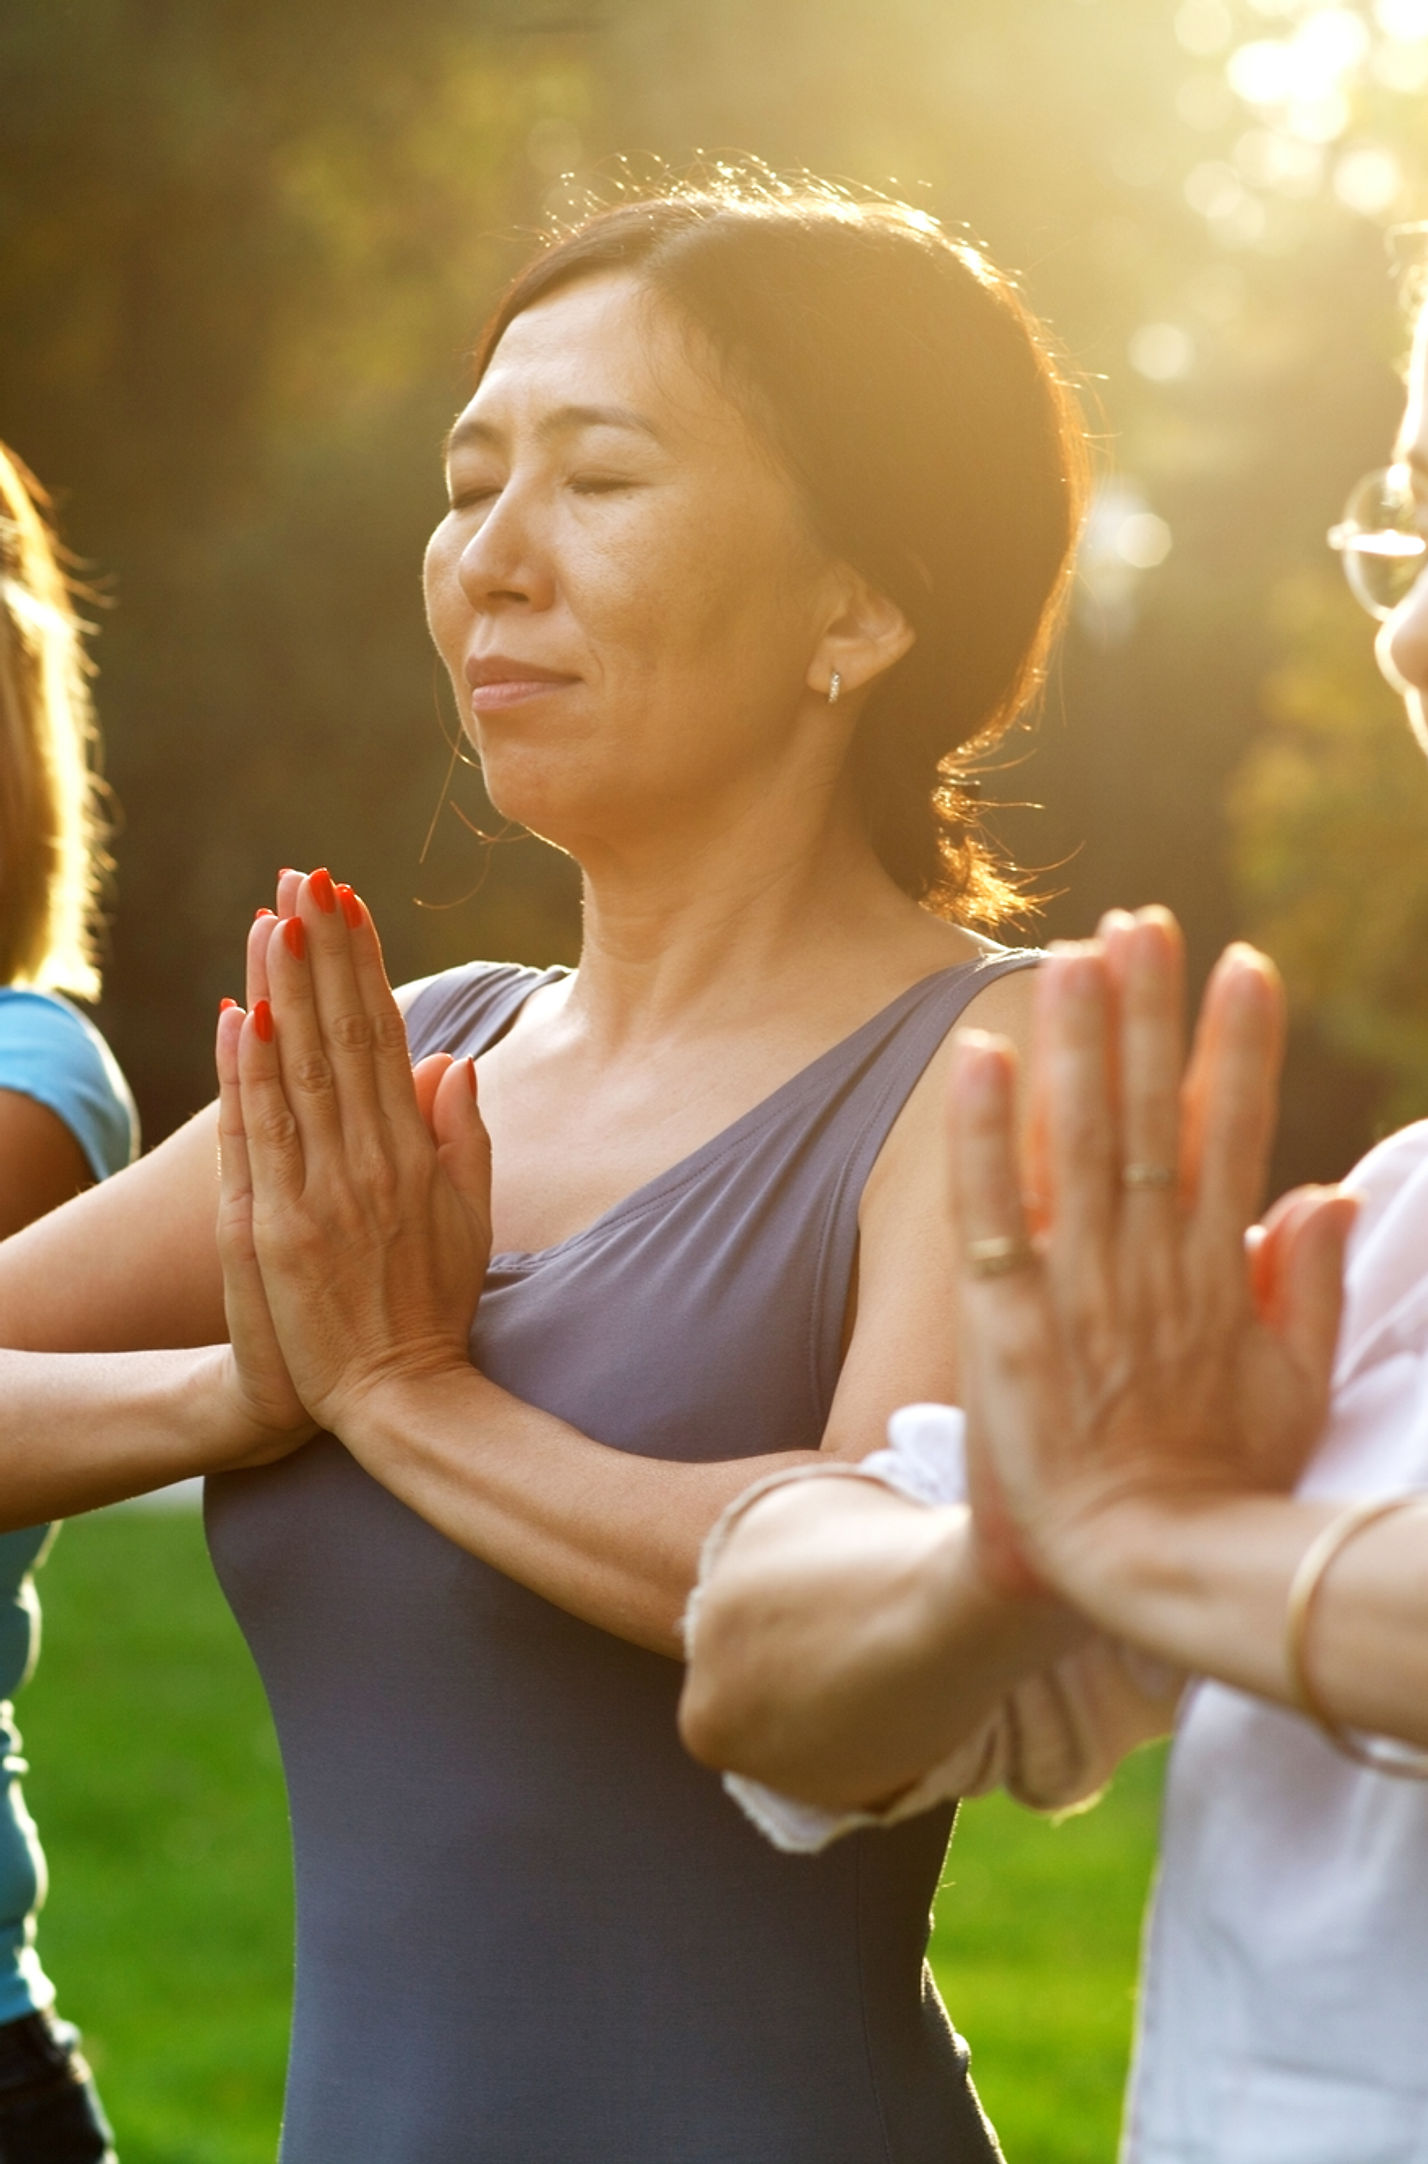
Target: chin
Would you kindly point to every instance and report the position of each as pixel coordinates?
(544, 788)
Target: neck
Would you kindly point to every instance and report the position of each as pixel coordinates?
(690, 921)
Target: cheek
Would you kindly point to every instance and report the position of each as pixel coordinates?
(441, 590)
(706, 582)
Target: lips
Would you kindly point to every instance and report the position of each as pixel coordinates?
(486, 671)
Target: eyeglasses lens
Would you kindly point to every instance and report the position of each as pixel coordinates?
(1380, 540)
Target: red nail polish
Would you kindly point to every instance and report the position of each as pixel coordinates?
(294, 936)
(351, 907)
(263, 1020)
(225, 1004)
(471, 1075)
(323, 891)
(257, 913)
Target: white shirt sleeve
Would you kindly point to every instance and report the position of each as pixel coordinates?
(1054, 1740)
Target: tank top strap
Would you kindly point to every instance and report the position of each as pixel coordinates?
(849, 1118)
(466, 1010)
(884, 1061)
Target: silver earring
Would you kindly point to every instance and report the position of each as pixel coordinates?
(835, 686)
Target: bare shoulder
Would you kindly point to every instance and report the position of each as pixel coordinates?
(1005, 1007)
(902, 1345)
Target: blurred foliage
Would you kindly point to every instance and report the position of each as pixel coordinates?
(244, 250)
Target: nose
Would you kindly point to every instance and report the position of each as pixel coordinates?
(1402, 644)
(503, 564)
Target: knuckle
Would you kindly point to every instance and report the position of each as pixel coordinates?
(313, 1076)
(389, 1034)
(353, 1032)
(277, 1128)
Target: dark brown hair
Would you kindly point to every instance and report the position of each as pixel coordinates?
(915, 402)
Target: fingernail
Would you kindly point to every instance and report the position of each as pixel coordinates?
(285, 871)
(225, 1004)
(322, 890)
(263, 1020)
(351, 907)
(471, 1075)
(294, 936)
(257, 913)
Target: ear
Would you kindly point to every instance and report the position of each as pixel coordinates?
(865, 634)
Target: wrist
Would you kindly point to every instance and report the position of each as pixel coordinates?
(236, 1430)
(1141, 1566)
(383, 1411)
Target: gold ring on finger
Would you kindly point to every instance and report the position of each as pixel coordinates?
(1000, 1255)
(1143, 1175)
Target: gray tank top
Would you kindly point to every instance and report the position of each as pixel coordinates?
(530, 1930)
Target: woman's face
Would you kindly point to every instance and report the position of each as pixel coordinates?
(1402, 644)
(625, 589)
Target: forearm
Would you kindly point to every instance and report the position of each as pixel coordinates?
(610, 1536)
(80, 1429)
(847, 1641)
(128, 1265)
(1204, 1584)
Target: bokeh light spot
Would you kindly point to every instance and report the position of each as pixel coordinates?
(1405, 19)
(1162, 352)
(1368, 180)
(1143, 540)
(1204, 26)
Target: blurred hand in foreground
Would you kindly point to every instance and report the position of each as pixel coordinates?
(1129, 1341)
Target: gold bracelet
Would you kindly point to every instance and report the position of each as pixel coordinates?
(1379, 1755)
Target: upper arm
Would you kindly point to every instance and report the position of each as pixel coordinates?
(903, 1346)
(41, 1163)
(128, 1265)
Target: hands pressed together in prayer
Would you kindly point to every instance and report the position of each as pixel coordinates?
(1137, 1352)
(354, 1212)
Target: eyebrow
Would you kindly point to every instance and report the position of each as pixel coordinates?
(564, 421)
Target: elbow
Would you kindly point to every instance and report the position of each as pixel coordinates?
(717, 1714)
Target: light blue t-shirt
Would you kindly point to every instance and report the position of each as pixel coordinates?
(50, 1053)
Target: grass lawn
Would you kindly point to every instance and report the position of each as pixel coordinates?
(158, 1792)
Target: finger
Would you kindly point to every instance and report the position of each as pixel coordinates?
(271, 1139)
(289, 887)
(1232, 1094)
(1039, 1178)
(260, 931)
(324, 1033)
(463, 1146)
(1267, 1244)
(235, 1183)
(1146, 960)
(1082, 1144)
(391, 1057)
(426, 1077)
(1311, 1294)
(1004, 1327)
(985, 1177)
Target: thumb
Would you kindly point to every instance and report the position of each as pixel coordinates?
(426, 1079)
(459, 1132)
(1311, 1281)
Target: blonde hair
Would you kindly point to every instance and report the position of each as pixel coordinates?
(52, 832)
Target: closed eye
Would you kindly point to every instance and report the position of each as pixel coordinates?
(600, 484)
(466, 499)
